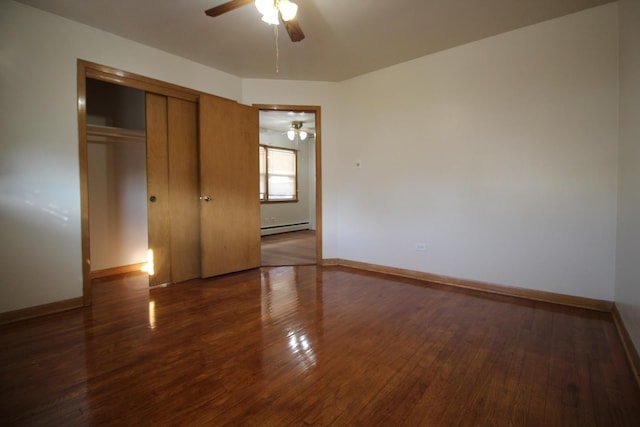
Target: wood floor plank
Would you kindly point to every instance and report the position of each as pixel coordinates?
(311, 345)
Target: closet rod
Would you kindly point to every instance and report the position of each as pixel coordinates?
(97, 133)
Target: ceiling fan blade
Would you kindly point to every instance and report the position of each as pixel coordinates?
(226, 7)
(293, 28)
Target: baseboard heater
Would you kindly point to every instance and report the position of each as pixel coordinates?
(275, 229)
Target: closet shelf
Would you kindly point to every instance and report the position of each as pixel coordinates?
(106, 134)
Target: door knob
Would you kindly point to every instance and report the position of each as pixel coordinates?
(205, 198)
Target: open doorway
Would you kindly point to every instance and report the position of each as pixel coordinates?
(290, 185)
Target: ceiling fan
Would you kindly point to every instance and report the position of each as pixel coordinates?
(272, 11)
(297, 129)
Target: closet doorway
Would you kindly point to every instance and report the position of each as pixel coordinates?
(142, 168)
(290, 185)
(117, 175)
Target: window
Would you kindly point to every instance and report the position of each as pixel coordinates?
(278, 174)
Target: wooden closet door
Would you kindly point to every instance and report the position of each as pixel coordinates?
(172, 189)
(184, 191)
(158, 188)
(229, 178)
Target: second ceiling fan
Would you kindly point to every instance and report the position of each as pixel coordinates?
(272, 11)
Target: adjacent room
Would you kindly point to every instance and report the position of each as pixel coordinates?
(288, 187)
(305, 212)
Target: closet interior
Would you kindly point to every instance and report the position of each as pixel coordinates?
(117, 177)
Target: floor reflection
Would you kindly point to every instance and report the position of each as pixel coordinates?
(301, 347)
(291, 317)
(152, 314)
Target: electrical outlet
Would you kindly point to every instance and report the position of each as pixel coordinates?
(421, 247)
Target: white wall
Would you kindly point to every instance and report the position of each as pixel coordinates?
(628, 249)
(500, 155)
(39, 175)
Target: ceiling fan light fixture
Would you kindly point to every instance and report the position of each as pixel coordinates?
(288, 9)
(273, 12)
(296, 129)
(271, 17)
(264, 6)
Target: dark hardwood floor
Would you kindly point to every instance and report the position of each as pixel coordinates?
(313, 346)
(293, 248)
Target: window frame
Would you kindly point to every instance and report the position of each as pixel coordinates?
(266, 174)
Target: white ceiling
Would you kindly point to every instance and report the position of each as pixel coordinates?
(280, 121)
(344, 38)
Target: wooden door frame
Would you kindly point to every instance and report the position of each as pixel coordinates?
(318, 152)
(95, 71)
